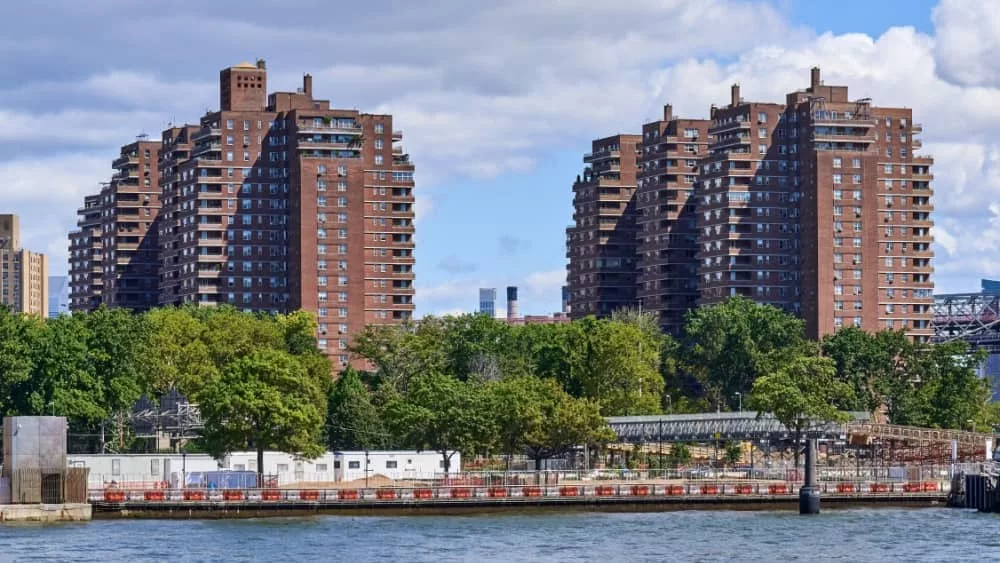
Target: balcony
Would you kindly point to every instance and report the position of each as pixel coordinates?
(731, 126)
(834, 118)
(206, 148)
(735, 141)
(125, 160)
(600, 155)
(916, 144)
(332, 127)
(207, 133)
(917, 128)
(327, 144)
(397, 135)
(842, 137)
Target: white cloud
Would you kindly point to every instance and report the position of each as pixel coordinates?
(541, 283)
(967, 40)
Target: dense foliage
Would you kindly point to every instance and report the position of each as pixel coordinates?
(93, 367)
(469, 383)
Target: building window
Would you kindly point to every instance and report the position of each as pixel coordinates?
(856, 163)
(379, 145)
(837, 162)
(390, 465)
(762, 117)
(837, 179)
(354, 465)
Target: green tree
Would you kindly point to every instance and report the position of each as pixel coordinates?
(866, 362)
(402, 352)
(516, 404)
(680, 454)
(939, 388)
(567, 422)
(728, 346)
(17, 334)
(353, 422)
(265, 400)
(442, 414)
(178, 356)
(802, 394)
(733, 453)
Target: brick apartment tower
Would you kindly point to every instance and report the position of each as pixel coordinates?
(279, 202)
(86, 271)
(601, 244)
(669, 164)
(24, 275)
(131, 207)
(819, 206)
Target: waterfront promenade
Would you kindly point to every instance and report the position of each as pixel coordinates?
(248, 503)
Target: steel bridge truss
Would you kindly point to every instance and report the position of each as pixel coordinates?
(706, 427)
(972, 317)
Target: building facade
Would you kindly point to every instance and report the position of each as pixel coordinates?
(58, 296)
(667, 238)
(86, 271)
(24, 275)
(819, 205)
(488, 301)
(276, 202)
(601, 244)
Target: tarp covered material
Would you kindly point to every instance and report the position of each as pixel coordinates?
(221, 479)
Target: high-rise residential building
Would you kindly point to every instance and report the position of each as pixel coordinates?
(129, 242)
(488, 300)
(86, 271)
(24, 275)
(667, 265)
(601, 243)
(819, 206)
(278, 202)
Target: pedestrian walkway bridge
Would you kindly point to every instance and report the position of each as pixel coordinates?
(747, 425)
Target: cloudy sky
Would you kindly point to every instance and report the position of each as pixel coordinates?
(498, 101)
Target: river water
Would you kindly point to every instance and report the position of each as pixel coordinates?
(936, 534)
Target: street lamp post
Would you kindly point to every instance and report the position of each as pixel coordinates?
(740, 397)
(670, 405)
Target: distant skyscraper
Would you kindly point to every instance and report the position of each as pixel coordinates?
(565, 299)
(58, 296)
(488, 300)
(512, 302)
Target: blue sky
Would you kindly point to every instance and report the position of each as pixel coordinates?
(497, 103)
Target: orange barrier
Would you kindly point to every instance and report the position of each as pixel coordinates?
(777, 489)
(744, 489)
(640, 490)
(461, 493)
(194, 495)
(912, 487)
(309, 495)
(879, 488)
(675, 490)
(846, 488)
(385, 494)
(569, 491)
(496, 492)
(423, 493)
(348, 494)
(232, 495)
(270, 494)
(604, 491)
(930, 487)
(154, 495)
(531, 491)
(709, 489)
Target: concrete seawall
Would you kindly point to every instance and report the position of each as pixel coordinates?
(257, 509)
(45, 513)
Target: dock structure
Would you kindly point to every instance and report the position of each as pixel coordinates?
(199, 503)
